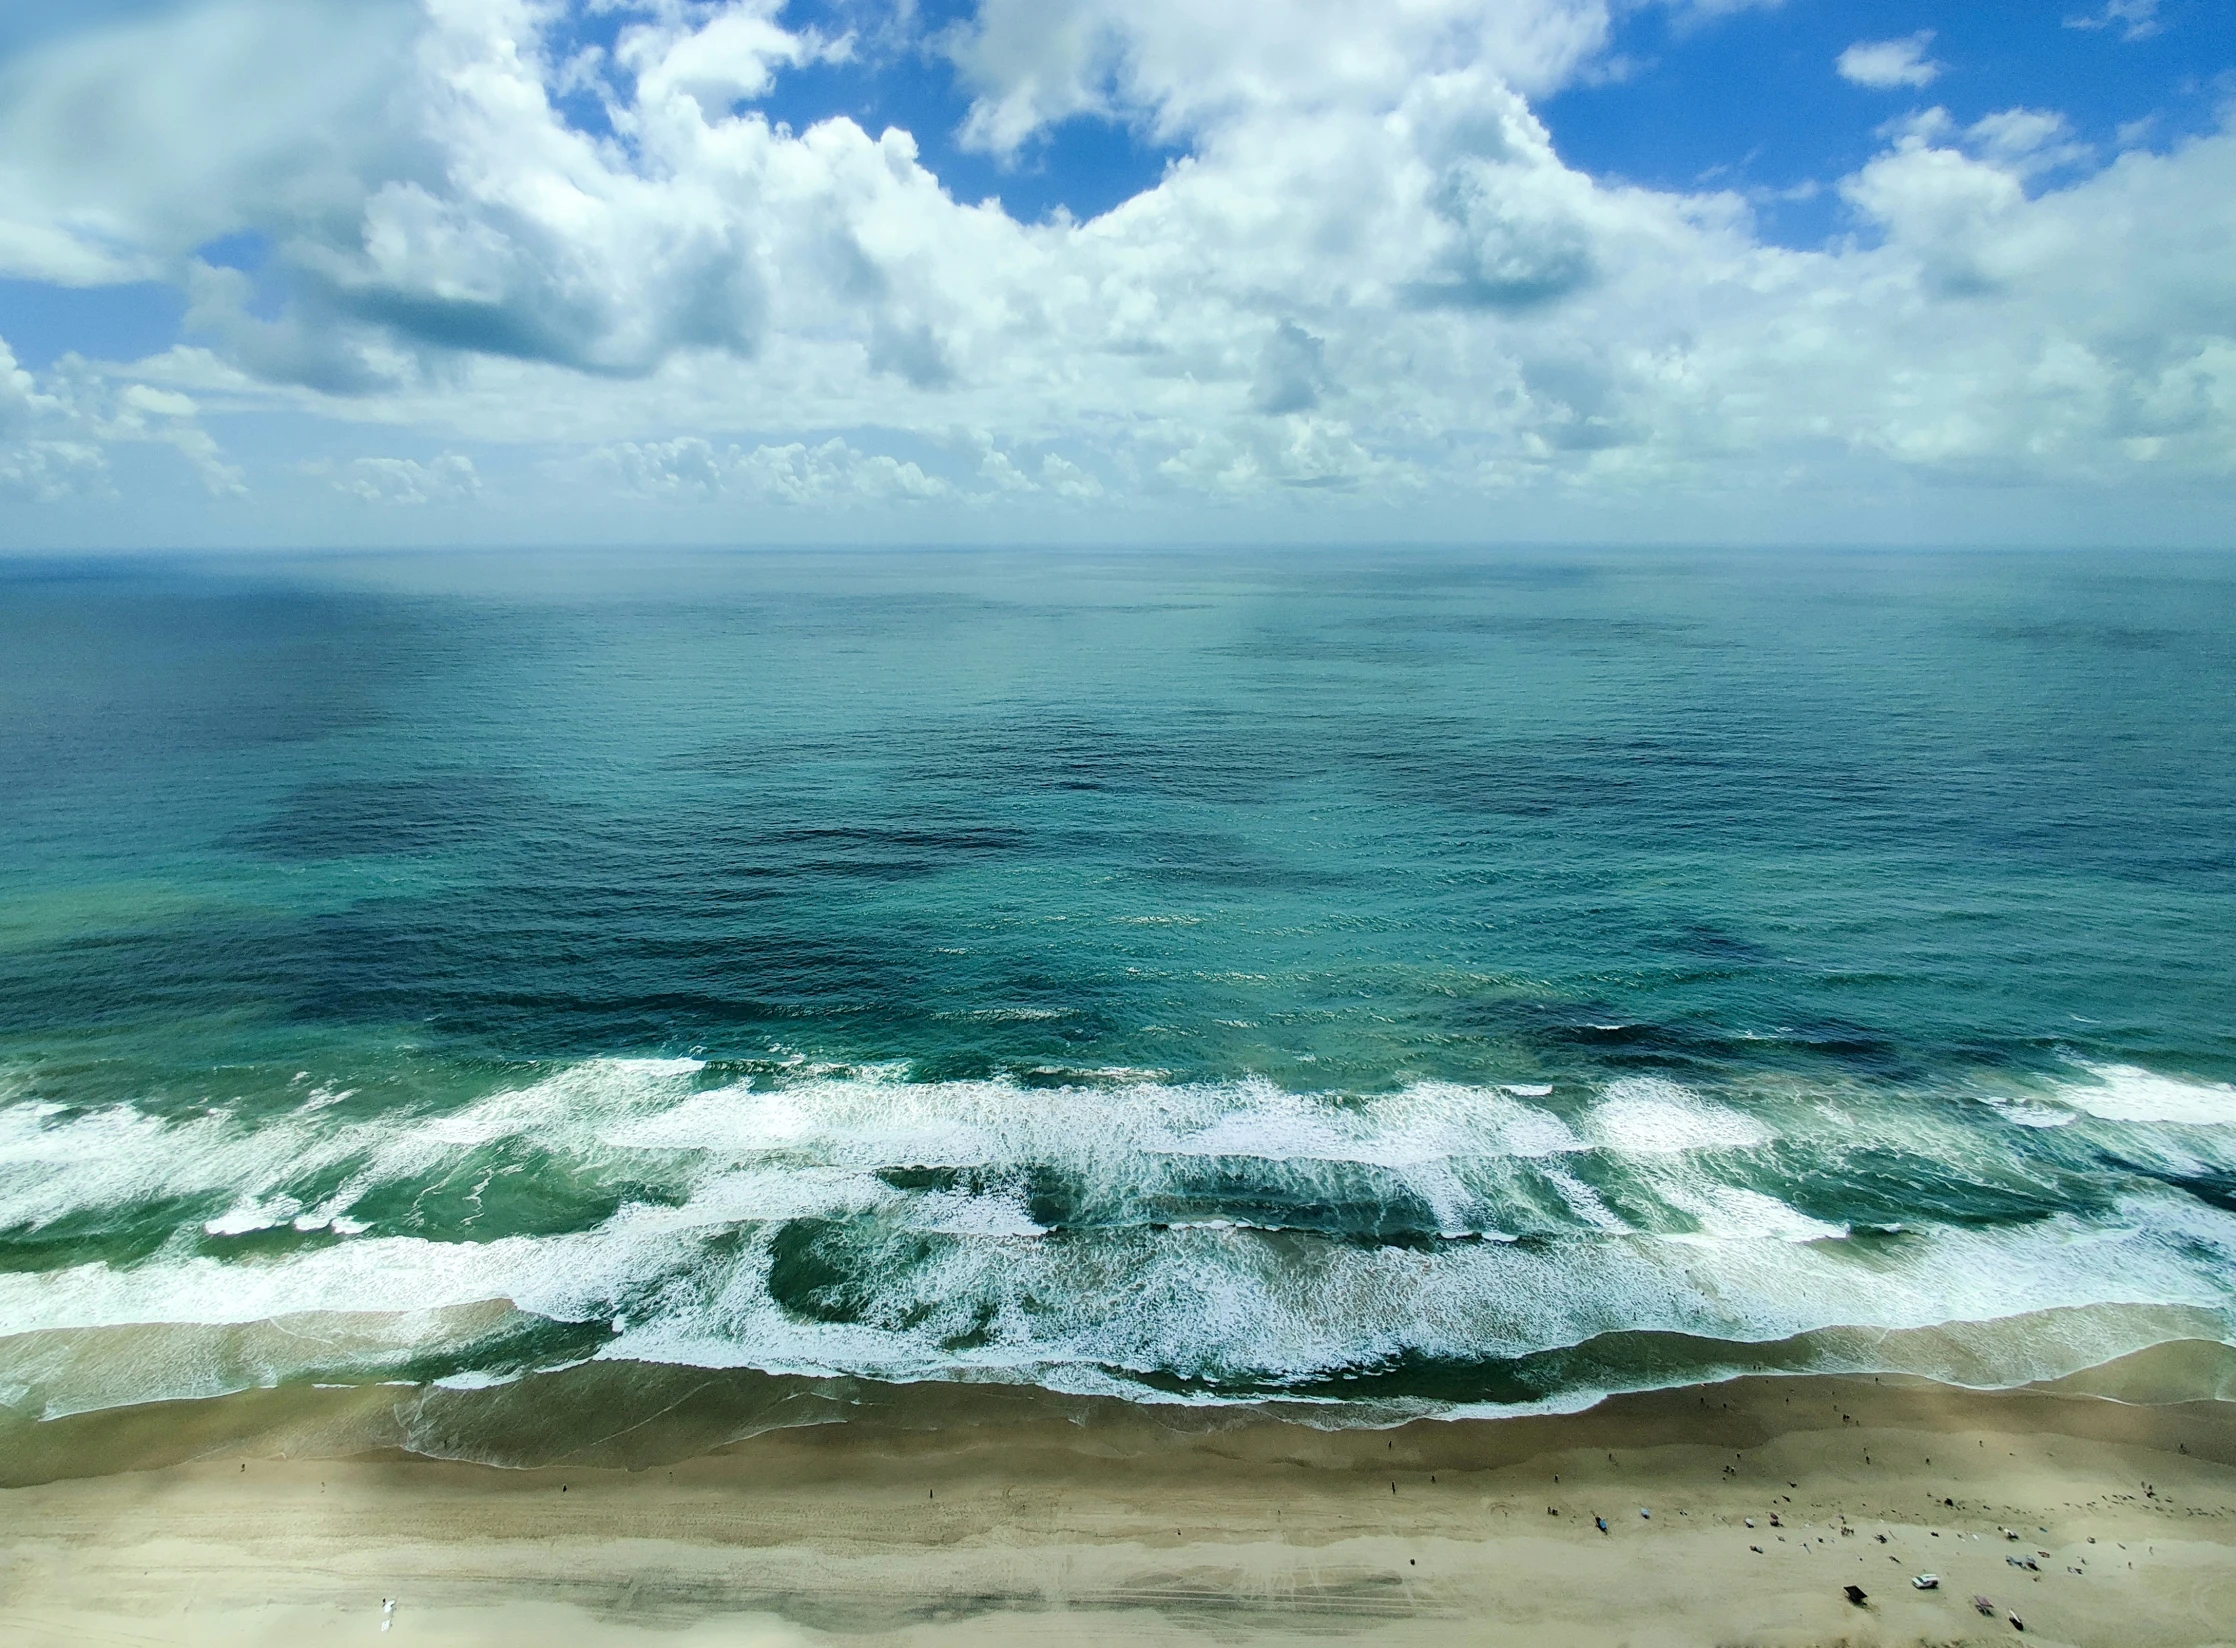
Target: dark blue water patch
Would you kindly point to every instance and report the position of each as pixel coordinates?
(429, 814)
(1344, 1201)
(1591, 1036)
(1711, 943)
(150, 973)
(1884, 1188)
(1200, 754)
(1644, 786)
(591, 963)
(2079, 633)
(1568, 631)
(848, 850)
(151, 667)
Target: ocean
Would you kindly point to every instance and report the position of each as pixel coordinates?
(1367, 984)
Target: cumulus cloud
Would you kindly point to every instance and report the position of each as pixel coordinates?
(793, 473)
(1065, 479)
(47, 472)
(449, 479)
(1885, 64)
(143, 412)
(1369, 272)
(54, 439)
(123, 147)
(1181, 67)
(1297, 451)
(21, 404)
(2079, 329)
(719, 59)
(38, 462)
(2135, 19)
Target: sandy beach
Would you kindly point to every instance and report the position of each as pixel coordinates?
(1734, 1513)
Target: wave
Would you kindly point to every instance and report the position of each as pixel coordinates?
(2126, 1093)
(1444, 1245)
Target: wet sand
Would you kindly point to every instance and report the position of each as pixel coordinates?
(938, 1515)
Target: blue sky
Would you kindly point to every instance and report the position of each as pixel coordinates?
(1754, 99)
(295, 271)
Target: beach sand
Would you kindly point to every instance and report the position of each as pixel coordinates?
(964, 1515)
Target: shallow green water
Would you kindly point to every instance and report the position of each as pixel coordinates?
(1401, 980)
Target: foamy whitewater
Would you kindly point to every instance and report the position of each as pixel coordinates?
(1431, 985)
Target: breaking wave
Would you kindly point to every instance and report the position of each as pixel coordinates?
(1443, 1247)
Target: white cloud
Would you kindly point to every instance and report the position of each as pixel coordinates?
(794, 473)
(1370, 276)
(22, 406)
(449, 479)
(2027, 141)
(38, 463)
(718, 60)
(1245, 459)
(2135, 19)
(2077, 331)
(1000, 472)
(47, 472)
(1885, 64)
(1065, 479)
(1689, 17)
(54, 440)
(123, 147)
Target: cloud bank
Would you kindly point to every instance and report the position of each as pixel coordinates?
(478, 232)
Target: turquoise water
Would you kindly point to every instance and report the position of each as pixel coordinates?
(1397, 982)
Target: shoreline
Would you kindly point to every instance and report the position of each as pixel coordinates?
(973, 1514)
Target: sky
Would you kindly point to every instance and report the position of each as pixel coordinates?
(305, 273)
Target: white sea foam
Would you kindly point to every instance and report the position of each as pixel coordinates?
(1734, 1213)
(949, 1214)
(382, 1274)
(249, 1214)
(2128, 1093)
(1648, 1116)
(2023, 1113)
(54, 1163)
(1199, 1300)
(1585, 1202)
(473, 1381)
(1430, 1121)
(689, 1277)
